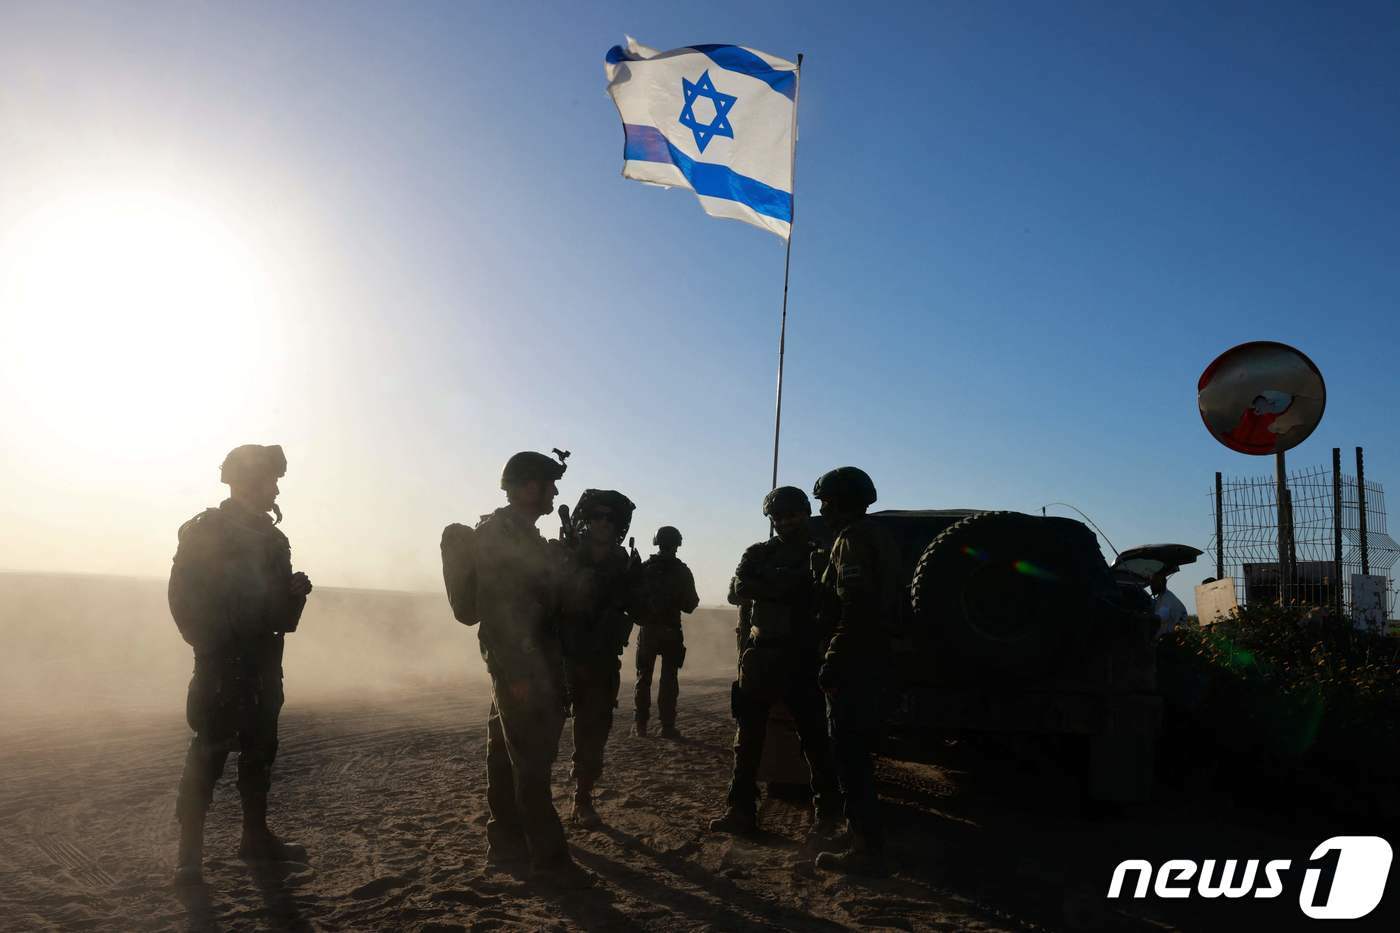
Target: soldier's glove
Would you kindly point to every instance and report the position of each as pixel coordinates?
(301, 584)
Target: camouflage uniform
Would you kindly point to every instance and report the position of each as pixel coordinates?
(230, 594)
(670, 589)
(517, 601)
(780, 650)
(861, 588)
(602, 601)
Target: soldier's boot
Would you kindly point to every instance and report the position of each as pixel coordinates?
(506, 849)
(506, 857)
(737, 821)
(189, 861)
(264, 846)
(669, 731)
(860, 858)
(584, 815)
(639, 728)
(261, 844)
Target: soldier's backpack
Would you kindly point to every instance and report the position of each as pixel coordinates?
(459, 571)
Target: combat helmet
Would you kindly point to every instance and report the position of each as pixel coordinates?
(847, 484)
(786, 500)
(253, 461)
(527, 466)
(667, 536)
(609, 502)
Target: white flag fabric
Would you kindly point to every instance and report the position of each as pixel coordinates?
(717, 119)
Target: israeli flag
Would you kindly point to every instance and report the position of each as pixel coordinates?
(717, 119)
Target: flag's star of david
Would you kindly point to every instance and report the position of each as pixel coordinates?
(719, 126)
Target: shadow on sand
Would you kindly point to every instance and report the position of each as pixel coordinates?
(657, 890)
(199, 907)
(276, 883)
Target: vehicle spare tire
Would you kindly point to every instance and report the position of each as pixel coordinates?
(1004, 594)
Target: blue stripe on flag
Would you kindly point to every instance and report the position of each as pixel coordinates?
(734, 58)
(618, 54)
(646, 144)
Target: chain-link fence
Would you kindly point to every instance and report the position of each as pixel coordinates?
(1317, 567)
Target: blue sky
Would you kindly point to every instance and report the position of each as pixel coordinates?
(1022, 232)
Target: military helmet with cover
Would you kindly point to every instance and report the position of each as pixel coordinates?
(528, 466)
(610, 503)
(786, 500)
(667, 536)
(846, 484)
(253, 461)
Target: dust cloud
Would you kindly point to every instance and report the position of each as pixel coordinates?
(87, 648)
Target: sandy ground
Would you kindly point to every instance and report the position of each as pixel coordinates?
(389, 798)
(387, 791)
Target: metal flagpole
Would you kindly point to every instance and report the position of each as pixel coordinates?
(787, 265)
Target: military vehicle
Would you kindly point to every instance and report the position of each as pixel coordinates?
(1015, 624)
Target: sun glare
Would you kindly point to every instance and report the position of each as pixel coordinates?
(129, 313)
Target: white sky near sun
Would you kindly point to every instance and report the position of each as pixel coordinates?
(150, 326)
(142, 329)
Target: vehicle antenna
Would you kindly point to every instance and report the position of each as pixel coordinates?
(1097, 529)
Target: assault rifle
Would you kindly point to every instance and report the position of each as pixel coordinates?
(568, 534)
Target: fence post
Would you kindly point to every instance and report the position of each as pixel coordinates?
(1337, 582)
(1294, 584)
(1280, 510)
(1361, 511)
(1219, 530)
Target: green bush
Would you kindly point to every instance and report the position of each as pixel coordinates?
(1286, 692)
